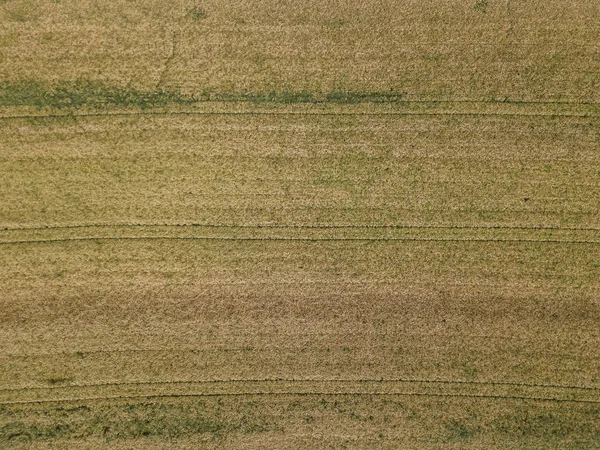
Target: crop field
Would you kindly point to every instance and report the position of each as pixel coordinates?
(267, 224)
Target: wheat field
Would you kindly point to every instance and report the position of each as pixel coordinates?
(266, 224)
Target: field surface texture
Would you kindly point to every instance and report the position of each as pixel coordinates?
(268, 224)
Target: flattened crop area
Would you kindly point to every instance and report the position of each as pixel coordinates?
(244, 275)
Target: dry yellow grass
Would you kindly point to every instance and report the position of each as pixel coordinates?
(273, 225)
(458, 49)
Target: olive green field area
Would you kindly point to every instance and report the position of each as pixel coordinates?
(268, 224)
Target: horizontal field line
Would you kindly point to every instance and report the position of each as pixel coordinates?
(282, 239)
(402, 158)
(309, 380)
(396, 207)
(290, 113)
(503, 102)
(359, 281)
(306, 394)
(298, 226)
(384, 98)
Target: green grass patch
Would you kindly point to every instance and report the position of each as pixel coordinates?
(84, 94)
(96, 95)
(122, 421)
